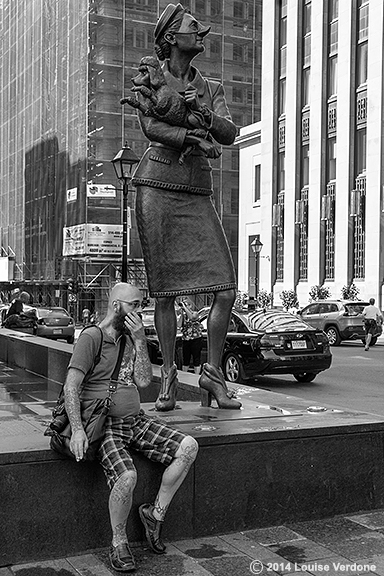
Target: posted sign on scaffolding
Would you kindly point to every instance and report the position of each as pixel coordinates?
(97, 241)
(7, 265)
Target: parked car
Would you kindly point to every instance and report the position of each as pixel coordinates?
(54, 323)
(49, 322)
(264, 342)
(340, 320)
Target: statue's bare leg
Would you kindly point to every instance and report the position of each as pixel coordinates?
(212, 381)
(166, 326)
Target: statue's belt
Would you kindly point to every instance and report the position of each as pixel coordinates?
(160, 168)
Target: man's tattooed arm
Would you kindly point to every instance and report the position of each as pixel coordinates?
(72, 400)
(142, 370)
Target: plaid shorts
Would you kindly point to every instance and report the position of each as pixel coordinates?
(142, 433)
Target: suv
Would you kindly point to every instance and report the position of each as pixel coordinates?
(340, 320)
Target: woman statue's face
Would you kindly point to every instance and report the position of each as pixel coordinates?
(190, 36)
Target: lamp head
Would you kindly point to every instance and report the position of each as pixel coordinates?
(256, 246)
(124, 161)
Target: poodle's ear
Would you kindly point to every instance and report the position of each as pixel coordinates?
(149, 61)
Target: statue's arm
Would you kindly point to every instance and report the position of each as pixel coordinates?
(212, 108)
(158, 131)
(221, 126)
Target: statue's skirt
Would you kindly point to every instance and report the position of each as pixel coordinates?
(184, 246)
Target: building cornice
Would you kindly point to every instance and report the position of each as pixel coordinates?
(249, 135)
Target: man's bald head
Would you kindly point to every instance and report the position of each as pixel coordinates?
(124, 292)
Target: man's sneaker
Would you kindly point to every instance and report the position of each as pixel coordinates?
(121, 558)
(152, 528)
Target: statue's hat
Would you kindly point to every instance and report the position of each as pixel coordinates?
(166, 18)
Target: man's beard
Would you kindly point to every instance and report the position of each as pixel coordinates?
(118, 323)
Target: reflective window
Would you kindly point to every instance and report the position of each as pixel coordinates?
(306, 76)
(332, 148)
(256, 196)
(361, 150)
(333, 9)
(332, 76)
(362, 63)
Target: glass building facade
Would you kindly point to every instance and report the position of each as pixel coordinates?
(64, 66)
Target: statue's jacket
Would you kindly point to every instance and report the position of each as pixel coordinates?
(160, 167)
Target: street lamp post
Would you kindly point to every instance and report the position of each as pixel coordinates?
(256, 247)
(123, 163)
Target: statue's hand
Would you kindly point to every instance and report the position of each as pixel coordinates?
(200, 133)
(192, 98)
(209, 149)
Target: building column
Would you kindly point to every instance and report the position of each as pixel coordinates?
(374, 257)
(292, 133)
(317, 142)
(345, 156)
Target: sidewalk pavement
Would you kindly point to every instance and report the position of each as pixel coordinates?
(339, 546)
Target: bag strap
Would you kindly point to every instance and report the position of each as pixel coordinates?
(116, 370)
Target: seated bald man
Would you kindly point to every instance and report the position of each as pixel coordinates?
(128, 427)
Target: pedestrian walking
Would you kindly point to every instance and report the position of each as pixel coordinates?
(86, 316)
(128, 427)
(372, 317)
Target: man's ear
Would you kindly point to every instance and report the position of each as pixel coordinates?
(170, 38)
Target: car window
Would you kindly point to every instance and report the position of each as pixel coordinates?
(311, 309)
(333, 308)
(51, 313)
(239, 323)
(355, 309)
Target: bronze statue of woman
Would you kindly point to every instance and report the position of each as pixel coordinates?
(184, 246)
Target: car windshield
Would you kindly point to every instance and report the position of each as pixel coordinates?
(275, 320)
(51, 313)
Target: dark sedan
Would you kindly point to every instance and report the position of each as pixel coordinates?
(265, 342)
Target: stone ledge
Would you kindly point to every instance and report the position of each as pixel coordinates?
(270, 463)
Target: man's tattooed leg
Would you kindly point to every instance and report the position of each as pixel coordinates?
(174, 476)
(120, 502)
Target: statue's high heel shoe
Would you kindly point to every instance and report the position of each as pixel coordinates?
(168, 390)
(212, 384)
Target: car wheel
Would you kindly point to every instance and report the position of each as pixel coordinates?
(232, 368)
(333, 335)
(305, 376)
(71, 339)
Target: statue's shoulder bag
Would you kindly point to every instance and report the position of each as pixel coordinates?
(93, 413)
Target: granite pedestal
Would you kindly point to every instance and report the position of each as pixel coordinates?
(277, 460)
